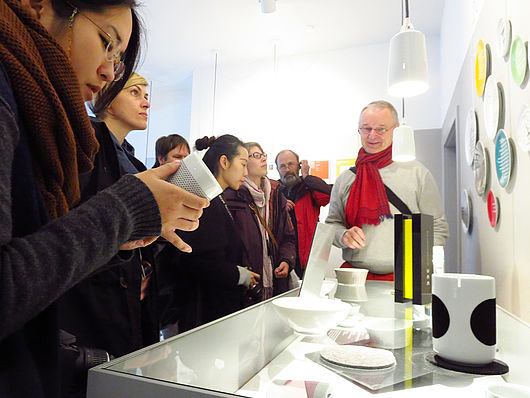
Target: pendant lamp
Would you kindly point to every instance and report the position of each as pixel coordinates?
(403, 144)
(268, 6)
(407, 64)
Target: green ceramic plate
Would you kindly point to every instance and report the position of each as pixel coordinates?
(518, 60)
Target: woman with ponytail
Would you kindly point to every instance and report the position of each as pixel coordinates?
(211, 281)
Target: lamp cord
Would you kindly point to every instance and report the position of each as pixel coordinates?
(404, 10)
(214, 92)
(403, 109)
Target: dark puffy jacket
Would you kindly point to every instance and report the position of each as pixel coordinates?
(248, 226)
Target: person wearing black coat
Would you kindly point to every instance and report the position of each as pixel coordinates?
(114, 310)
(211, 281)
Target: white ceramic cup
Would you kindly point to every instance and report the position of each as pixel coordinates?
(195, 177)
(463, 318)
(347, 292)
(351, 276)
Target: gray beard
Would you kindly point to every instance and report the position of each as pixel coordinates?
(290, 180)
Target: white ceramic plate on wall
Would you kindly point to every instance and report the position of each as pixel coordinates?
(471, 135)
(481, 168)
(523, 128)
(503, 158)
(492, 107)
(504, 37)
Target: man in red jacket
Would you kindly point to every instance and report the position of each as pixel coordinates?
(305, 195)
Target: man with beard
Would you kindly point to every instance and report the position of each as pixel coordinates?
(305, 195)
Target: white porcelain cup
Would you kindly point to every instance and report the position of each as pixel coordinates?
(194, 176)
(463, 318)
(351, 276)
(347, 292)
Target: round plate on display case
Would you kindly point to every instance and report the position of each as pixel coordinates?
(471, 135)
(503, 158)
(482, 66)
(466, 210)
(493, 106)
(518, 60)
(523, 128)
(481, 168)
(504, 37)
(493, 209)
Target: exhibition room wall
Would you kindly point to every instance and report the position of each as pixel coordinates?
(310, 103)
(501, 251)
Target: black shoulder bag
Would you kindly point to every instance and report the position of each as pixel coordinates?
(392, 197)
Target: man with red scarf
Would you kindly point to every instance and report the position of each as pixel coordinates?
(359, 206)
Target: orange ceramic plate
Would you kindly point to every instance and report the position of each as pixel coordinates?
(481, 68)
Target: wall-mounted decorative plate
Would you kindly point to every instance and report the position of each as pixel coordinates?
(481, 67)
(481, 168)
(471, 135)
(523, 128)
(493, 106)
(503, 158)
(504, 37)
(493, 209)
(466, 210)
(518, 60)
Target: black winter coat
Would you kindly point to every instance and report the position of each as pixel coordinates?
(104, 311)
(207, 278)
(248, 225)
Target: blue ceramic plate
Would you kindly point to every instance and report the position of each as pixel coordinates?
(503, 158)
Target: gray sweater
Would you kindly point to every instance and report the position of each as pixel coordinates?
(415, 186)
(36, 269)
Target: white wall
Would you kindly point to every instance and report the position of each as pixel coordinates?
(458, 24)
(502, 251)
(311, 104)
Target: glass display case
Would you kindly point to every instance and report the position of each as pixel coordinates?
(252, 352)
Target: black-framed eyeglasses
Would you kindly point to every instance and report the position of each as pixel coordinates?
(258, 155)
(377, 130)
(112, 51)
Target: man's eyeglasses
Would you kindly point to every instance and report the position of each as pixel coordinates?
(112, 51)
(258, 155)
(377, 130)
(289, 165)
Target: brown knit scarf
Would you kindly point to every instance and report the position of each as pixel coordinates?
(50, 105)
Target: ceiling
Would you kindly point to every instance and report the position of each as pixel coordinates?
(185, 34)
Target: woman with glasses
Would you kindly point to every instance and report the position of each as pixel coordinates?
(114, 310)
(54, 55)
(260, 213)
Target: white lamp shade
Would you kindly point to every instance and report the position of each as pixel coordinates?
(268, 6)
(403, 145)
(407, 66)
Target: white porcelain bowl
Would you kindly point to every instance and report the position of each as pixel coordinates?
(507, 390)
(311, 315)
(389, 332)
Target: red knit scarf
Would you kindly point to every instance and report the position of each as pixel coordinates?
(50, 104)
(367, 202)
